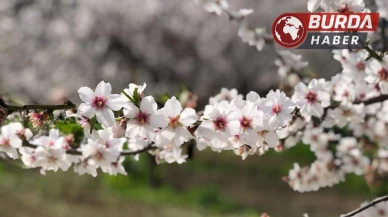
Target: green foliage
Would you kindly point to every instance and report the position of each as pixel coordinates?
(136, 186)
(70, 127)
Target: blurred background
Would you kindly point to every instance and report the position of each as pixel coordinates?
(50, 48)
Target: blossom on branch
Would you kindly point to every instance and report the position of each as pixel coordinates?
(100, 103)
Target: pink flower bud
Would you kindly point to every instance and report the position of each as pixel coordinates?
(84, 122)
(118, 130)
(68, 142)
(37, 119)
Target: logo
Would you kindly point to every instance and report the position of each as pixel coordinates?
(289, 31)
(324, 30)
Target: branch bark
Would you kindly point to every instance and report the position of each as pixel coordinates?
(376, 201)
(17, 108)
(76, 152)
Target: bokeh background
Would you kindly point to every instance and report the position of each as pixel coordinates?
(50, 48)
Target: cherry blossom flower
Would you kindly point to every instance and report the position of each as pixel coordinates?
(213, 6)
(143, 121)
(52, 158)
(10, 138)
(129, 91)
(255, 98)
(53, 140)
(116, 167)
(225, 94)
(219, 122)
(105, 138)
(172, 155)
(355, 66)
(254, 37)
(100, 103)
(251, 118)
(98, 154)
(136, 144)
(346, 113)
(176, 133)
(278, 107)
(29, 157)
(84, 167)
(311, 99)
(313, 5)
(267, 134)
(289, 62)
(118, 129)
(378, 74)
(347, 6)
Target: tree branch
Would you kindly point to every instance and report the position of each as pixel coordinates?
(76, 152)
(376, 201)
(16, 108)
(373, 100)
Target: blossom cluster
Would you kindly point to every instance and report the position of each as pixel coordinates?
(343, 120)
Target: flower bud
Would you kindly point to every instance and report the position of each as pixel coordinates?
(118, 130)
(37, 119)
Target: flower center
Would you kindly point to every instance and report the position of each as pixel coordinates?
(52, 160)
(276, 109)
(174, 121)
(4, 142)
(220, 123)
(143, 118)
(360, 66)
(362, 95)
(99, 156)
(50, 143)
(347, 113)
(311, 97)
(245, 122)
(99, 102)
(383, 73)
(262, 133)
(345, 9)
(355, 162)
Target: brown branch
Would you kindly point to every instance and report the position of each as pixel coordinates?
(370, 101)
(373, 203)
(16, 108)
(373, 100)
(76, 152)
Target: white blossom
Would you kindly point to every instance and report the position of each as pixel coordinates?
(100, 103)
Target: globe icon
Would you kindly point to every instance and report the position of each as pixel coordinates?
(289, 31)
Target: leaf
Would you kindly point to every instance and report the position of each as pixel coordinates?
(125, 94)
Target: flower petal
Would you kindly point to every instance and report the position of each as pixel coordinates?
(115, 102)
(188, 117)
(15, 141)
(130, 110)
(86, 110)
(106, 117)
(148, 105)
(172, 107)
(103, 89)
(86, 94)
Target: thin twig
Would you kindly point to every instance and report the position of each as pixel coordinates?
(76, 152)
(16, 108)
(373, 203)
